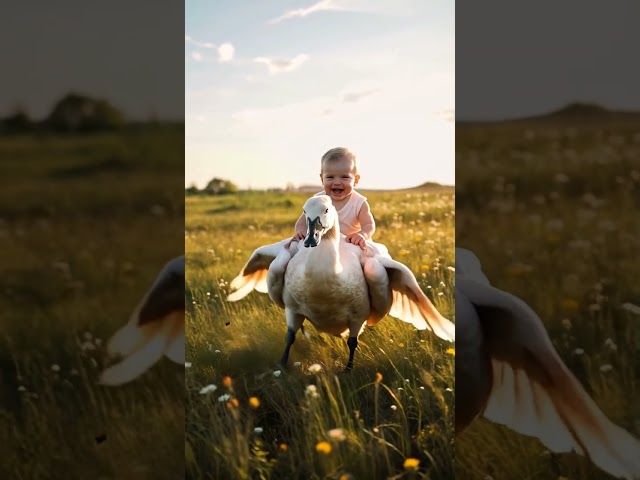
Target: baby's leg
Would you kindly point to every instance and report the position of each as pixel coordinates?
(375, 248)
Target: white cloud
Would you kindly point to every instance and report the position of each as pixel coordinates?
(362, 6)
(280, 65)
(356, 96)
(225, 52)
(197, 56)
(320, 6)
(189, 39)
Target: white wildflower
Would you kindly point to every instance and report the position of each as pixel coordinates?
(315, 368)
(311, 391)
(208, 389)
(337, 434)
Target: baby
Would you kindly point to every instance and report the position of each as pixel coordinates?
(339, 176)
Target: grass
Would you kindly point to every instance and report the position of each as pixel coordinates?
(551, 211)
(86, 224)
(397, 404)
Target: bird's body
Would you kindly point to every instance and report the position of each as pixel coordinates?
(155, 329)
(335, 285)
(508, 370)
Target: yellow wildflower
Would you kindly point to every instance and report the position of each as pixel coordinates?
(323, 447)
(411, 464)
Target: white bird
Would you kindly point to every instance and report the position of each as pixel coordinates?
(334, 285)
(155, 328)
(508, 370)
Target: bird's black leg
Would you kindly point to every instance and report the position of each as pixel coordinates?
(352, 343)
(290, 338)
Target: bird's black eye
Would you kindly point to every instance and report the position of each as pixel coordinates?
(326, 211)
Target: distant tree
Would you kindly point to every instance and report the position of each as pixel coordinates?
(18, 122)
(218, 186)
(79, 113)
(192, 190)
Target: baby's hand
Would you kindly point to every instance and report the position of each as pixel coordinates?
(296, 238)
(357, 239)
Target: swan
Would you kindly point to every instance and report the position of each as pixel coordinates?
(335, 285)
(508, 370)
(155, 328)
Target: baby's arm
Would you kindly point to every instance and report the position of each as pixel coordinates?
(367, 227)
(301, 230)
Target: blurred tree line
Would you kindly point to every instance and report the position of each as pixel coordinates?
(216, 186)
(74, 113)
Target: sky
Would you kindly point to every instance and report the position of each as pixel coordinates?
(271, 86)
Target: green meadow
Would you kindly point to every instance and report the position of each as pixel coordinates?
(551, 209)
(392, 417)
(86, 222)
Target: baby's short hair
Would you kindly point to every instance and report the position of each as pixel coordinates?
(335, 154)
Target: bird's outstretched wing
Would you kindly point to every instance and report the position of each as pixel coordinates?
(410, 304)
(155, 328)
(533, 391)
(254, 274)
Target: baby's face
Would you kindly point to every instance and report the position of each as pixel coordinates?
(339, 178)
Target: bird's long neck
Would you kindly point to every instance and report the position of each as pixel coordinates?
(325, 258)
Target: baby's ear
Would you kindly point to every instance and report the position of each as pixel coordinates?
(356, 179)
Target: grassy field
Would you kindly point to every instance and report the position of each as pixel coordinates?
(85, 225)
(246, 419)
(551, 209)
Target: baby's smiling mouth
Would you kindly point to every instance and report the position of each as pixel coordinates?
(337, 191)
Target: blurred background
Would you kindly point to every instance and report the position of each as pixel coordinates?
(91, 207)
(547, 196)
